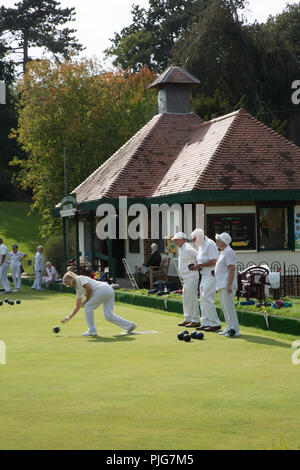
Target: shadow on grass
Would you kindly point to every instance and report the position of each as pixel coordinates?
(264, 340)
(105, 339)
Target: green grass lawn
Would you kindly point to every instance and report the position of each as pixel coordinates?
(143, 391)
(18, 227)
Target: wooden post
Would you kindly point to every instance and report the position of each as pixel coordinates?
(77, 244)
(92, 239)
(65, 235)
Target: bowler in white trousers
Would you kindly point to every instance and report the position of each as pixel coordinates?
(39, 266)
(96, 293)
(188, 256)
(4, 266)
(16, 257)
(226, 283)
(206, 260)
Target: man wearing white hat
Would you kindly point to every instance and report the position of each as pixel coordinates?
(206, 260)
(188, 256)
(226, 283)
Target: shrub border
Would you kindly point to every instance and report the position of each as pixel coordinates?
(278, 324)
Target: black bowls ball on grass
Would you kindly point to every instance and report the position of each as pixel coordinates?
(197, 335)
(187, 337)
(181, 335)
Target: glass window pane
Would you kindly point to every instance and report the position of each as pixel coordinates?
(273, 228)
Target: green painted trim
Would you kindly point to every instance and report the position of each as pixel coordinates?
(199, 197)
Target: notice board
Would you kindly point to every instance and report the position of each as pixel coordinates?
(241, 228)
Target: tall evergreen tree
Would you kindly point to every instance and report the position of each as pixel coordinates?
(37, 23)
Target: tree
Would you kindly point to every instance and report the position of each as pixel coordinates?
(219, 52)
(37, 23)
(76, 106)
(240, 65)
(150, 38)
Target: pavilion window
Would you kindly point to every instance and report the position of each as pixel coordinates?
(273, 228)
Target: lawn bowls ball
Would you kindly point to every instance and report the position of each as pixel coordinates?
(1, 302)
(191, 265)
(181, 335)
(200, 335)
(18, 301)
(6, 300)
(194, 334)
(11, 302)
(56, 329)
(231, 332)
(187, 338)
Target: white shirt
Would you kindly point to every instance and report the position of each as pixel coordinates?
(80, 281)
(39, 262)
(187, 255)
(52, 271)
(4, 251)
(227, 257)
(15, 258)
(207, 252)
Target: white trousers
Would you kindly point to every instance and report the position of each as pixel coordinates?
(209, 316)
(105, 296)
(228, 307)
(190, 300)
(38, 280)
(46, 280)
(3, 276)
(15, 270)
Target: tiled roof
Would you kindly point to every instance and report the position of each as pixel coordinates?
(174, 76)
(177, 153)
(138, 167)
(251, 157)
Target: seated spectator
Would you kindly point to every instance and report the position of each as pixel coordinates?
(154, 260)
(52, 274)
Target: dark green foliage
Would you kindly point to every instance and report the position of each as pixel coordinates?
(150, 38)
(37, 23)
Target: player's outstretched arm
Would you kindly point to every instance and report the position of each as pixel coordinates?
(76, 309)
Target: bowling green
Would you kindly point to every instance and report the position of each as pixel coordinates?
(140, 391)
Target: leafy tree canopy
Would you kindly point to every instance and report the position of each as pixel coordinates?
(76, 106)
(150, 38)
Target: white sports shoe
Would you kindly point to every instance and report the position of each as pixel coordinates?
(90, 333)
(224, 332)
(130, 330)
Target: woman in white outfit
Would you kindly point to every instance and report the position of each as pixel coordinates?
(52, 274)
(16, 257)
(96, 293)
(39, 266)
(4, 266)
(206, 260)
(226, 283)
